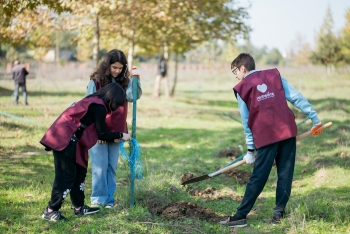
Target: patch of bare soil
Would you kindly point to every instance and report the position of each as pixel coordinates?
(180, 210)
(241, 176)
(230, 152)
(212, 193)
(160, 205)
(8, 154)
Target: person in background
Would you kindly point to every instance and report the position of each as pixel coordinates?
(70, 137)
(162, 72)
(104, 155)
(270, 130)
(19, 74)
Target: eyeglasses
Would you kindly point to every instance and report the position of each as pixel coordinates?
(234, 71)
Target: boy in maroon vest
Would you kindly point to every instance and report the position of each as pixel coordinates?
(270, 130)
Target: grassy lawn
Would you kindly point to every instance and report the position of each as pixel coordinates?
(179, 135)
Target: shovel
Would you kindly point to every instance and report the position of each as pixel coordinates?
(216, 173)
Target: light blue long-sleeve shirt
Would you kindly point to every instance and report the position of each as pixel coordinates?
(292, 95)
(91, 88)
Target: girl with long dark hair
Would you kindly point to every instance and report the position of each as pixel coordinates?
(104, 155)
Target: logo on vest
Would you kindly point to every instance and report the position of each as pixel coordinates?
(262, 88)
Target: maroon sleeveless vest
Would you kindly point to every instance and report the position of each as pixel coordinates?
(116, 120)
(270, 118)
(58, 135)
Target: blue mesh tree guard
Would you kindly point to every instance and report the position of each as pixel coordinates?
(132, 159)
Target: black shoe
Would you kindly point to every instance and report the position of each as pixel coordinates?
(235, 221)
(85, 210)
(53, 216)
(276, 219)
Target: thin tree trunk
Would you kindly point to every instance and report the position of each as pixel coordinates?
(156, 89)
(175, 77)
(57, 53)
(328, 67)
(157, 83)
(131, 49)
(96, 41)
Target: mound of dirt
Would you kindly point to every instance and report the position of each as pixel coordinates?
(153, 201)
(241, 176)
(206, 193)
(179, 210)
(212, 193)
(230, 152)
(160, 205)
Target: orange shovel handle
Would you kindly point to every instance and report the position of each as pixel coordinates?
(308, 133)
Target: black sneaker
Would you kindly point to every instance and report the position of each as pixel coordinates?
(276, 219)
(53, 216)
(234, 222)
(86, 210)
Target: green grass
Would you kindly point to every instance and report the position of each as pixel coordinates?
(179, 135)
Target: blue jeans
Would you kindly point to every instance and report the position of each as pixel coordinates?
(24, 91)
(104, 162)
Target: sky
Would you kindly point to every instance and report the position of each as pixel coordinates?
(276, 23)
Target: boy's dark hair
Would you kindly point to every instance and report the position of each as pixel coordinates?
(244, 59)
(113, 96)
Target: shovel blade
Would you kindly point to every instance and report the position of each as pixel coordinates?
(200, 178)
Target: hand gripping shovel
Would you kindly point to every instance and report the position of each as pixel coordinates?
(204, 177)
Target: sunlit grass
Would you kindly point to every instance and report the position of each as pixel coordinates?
(178, 135)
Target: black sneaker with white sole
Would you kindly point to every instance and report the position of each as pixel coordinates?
(53, 216)
(86, 210)
(276, 219)
(235, 221)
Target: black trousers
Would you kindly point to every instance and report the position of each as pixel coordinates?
(69, 179)
(283, 153)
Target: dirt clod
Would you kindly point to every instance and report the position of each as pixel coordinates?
(186, 176)
(241, 176)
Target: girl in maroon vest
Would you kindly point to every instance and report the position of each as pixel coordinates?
(70, 137)
(270, 130)
(104, 155)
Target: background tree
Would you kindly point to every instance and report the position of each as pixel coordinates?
(86, 20)
(274, 57)
(328, 49)
(15, 31)
(108, 24)
(183, 25)
(300, 51)
(346, 38)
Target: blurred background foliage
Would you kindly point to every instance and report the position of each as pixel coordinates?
(187, 31)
